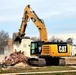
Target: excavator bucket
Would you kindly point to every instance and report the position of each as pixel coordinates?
(16, 38)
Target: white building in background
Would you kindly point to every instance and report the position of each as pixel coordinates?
(23, 46)
(73, 50)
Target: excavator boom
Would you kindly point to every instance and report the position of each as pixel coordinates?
(29, 14)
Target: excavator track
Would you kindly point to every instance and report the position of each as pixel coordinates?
(37, 61)
(63, 61)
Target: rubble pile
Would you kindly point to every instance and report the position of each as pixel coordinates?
(15, 58)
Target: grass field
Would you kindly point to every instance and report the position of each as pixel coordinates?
(36, 69)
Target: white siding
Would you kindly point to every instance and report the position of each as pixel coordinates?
(24, 46)
(73, 50)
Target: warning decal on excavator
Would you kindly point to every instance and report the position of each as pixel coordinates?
(62, 48)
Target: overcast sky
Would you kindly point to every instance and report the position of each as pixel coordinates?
(59, 16)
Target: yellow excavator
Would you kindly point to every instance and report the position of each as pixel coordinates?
(47, 52)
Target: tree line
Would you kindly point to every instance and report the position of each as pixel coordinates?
(54, 39)
(4, 37)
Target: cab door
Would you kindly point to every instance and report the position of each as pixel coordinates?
(36, 48)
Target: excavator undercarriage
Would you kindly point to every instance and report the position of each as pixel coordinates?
(53, 61)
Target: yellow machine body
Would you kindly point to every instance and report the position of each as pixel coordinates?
(56, 50)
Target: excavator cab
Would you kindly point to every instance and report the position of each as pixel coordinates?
(36, 47)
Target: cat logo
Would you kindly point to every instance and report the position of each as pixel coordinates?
(62, 49)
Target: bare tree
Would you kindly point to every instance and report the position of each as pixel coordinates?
(35, 38)
(70, 41)
(54, 39)
(3, 40)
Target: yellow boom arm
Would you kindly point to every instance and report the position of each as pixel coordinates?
(28, 14)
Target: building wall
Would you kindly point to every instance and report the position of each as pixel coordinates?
(24, 46)
(73, 50)
(7, 50)
(10, 46)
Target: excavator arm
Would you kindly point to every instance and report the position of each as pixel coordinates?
(28, 14)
